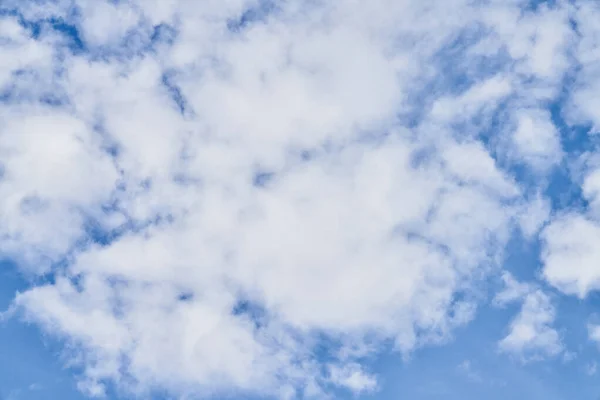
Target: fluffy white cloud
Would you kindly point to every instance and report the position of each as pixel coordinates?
(537, 140)
(212, 202)
(531, 334)
(353, 377)
(571, 254)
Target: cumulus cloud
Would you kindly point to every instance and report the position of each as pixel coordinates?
(352, 376)
(536, 139)
(570, 253)
(214, 187)
(531, 334)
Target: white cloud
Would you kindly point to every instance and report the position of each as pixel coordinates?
(22, 54)
(352, 377)
(512, 291)
(571, 254)
(535, 213)
(531, 335)
(106, 23)
(367, 229)
(537, 140)
(474, 100)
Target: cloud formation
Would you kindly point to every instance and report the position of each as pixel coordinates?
(212, 189)
(531, 333)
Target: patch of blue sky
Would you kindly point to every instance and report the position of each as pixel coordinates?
(256, 13)
(70, 32)
(56, 24)
(262, 178)
(30, 365)
(170, 85)
(142, 39)
(163, 33)
(472, 368)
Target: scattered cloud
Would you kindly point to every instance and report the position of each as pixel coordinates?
(206, 191)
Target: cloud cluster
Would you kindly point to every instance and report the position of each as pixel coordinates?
(571, 252)
(215, 188)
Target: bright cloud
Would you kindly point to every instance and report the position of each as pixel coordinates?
(531, 334)
(213, 188)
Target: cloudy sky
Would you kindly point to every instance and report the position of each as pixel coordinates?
(299, 199)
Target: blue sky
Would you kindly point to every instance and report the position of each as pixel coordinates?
(31, 368)
(288, 199)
